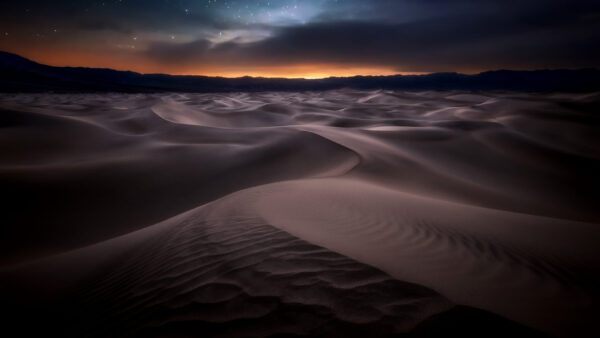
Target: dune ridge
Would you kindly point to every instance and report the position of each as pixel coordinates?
(407, 203)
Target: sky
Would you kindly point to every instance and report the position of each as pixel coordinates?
(304, 38)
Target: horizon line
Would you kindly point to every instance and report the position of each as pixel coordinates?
(304, 78)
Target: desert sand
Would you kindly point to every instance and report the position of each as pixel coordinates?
(334, 213)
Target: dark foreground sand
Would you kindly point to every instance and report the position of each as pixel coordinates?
(340, 213)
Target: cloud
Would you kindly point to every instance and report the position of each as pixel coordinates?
(455, 43)
(405, 35)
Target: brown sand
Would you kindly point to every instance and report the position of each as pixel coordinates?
(362, 212)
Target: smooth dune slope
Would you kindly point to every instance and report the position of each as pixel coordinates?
(316, 213)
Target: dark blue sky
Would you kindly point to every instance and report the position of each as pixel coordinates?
(304, 37)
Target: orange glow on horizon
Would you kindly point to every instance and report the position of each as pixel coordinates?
(132, 62)
(316, 71)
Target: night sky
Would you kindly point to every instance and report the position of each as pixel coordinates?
(304, 38)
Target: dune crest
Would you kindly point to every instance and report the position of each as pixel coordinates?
(359, 211)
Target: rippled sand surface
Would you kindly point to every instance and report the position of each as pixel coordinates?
(336, 213)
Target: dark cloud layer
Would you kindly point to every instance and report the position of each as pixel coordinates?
(405, 35)
(430, 45)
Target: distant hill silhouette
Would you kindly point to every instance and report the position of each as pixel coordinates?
(18, 74)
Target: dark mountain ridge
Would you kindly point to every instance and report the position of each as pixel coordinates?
(18, 74)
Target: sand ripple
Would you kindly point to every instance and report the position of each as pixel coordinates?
(289, 213)
(238, 277)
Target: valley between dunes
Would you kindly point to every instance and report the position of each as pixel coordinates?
(334, 213)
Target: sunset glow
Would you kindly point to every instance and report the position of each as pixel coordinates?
(300, 168)
(297, 39)
(99, 59)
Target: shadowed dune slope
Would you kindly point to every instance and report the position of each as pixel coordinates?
(197, 275)
(304, 213)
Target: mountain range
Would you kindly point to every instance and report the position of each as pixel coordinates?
(18, 74)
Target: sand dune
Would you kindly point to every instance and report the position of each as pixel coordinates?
(317, 213)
